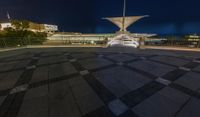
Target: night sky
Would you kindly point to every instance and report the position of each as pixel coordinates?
(166, 16)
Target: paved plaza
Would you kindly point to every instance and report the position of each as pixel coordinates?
(99, 83)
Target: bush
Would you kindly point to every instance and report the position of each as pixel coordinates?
(12, 38)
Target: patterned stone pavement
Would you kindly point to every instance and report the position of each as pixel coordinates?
(99, 84)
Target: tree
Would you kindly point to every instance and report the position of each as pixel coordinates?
(20, 34)
(20, 25)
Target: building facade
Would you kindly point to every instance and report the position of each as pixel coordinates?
(5, 25)
(35, 27)
(50, 28)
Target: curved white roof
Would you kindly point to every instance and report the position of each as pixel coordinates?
(124, 22)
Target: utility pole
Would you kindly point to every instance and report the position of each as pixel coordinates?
(124, 15)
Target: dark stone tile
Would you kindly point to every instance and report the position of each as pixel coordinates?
(191, 65)
(174, 75)
(128, 114)
(86, 98)
(78, 66)
(6, 104)
(16, 104)
(185, 90)
(101, 91)
(102, 68)
(94, 63)
(83, 55)
(135, 97)
(8, 80)
(120, 57)
(170, 60)
(191, 109)
(190, 80)
(4, 92)
(2, 98)
(25, 78)
(62, 101)
(101, 112)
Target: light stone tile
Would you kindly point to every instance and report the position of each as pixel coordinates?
(143, 58)
(55, 71)
(68, 68)
(8, 80)
(31, 67)
(51, 54)
(22, 64)
(197, 68)
(114, 85)
(85, 72)
(72, 60)
(117, 107)
(185, 69)
(40, 74)
(196, 61)
(35, 58)
(67, 54)
(163, 81)
(61, 101)
(83, 55)
(171, 60)
(19, 89)
(5, 66)
(58, 70)
(41, 91)
(86, 98)
(94, 63)
(36, 107)
(120, 63)
(190, 80)
(52, 59)
(122, 81)
(101, 56)
(121, 57)
(192, 109)
(174, 95)
(152, 67)
(156, 106)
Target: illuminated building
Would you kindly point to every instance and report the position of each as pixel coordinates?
(35, 27)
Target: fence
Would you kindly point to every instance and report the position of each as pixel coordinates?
(176, 43)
